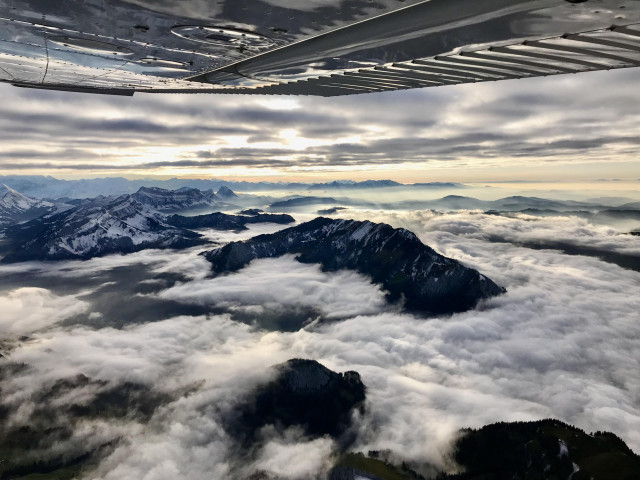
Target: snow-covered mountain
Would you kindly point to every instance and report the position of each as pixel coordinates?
(119, 224)
(394, 258)
(48, 187)
(106, 225)
(16, 207)
(175, 200)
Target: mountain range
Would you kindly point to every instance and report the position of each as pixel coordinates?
(16, 207)
(369, 184)
(49, 187)
(163, 200)
(453, 202)
(395, 258)
(105, 225)
(119, 224)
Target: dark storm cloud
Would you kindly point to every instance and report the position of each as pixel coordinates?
(59, 166)
(74, 126)
(62, 155)
(330, 131)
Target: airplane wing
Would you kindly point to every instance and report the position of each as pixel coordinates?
(307, 47)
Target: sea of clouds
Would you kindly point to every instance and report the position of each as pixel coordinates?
(561, 343)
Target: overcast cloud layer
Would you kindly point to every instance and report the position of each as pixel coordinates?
(533, 128)
(561, 343)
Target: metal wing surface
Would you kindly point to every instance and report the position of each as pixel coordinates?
(307, 47)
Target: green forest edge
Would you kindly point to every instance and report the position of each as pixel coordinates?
(485, 453)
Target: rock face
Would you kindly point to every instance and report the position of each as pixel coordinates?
(16, 207)
(106, 225)
(174, 200)
(547, 449)
(394, 258)
(302, 393)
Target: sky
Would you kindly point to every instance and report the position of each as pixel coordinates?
(565, 128)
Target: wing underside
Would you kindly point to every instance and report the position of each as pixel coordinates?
(312, 47)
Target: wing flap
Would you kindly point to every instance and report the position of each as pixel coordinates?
(606, 49)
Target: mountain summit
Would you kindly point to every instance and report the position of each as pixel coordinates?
(393, 257)
(225, 192)
(16, 207)
(301, 393)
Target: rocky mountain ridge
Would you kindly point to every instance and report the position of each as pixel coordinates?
(223, 221)
(46, 186)
(394, 258)
(122, 224)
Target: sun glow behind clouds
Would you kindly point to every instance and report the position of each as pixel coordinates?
(534, 129)
(280, 103)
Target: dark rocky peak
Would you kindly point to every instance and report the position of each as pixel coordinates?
(251, 211)
(392, 257)
(16, 207)
(301, 393)
(306, 377)
(223, 221)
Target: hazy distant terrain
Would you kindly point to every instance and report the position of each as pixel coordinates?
(140, 364)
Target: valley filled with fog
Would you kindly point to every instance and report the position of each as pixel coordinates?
(179, 348)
